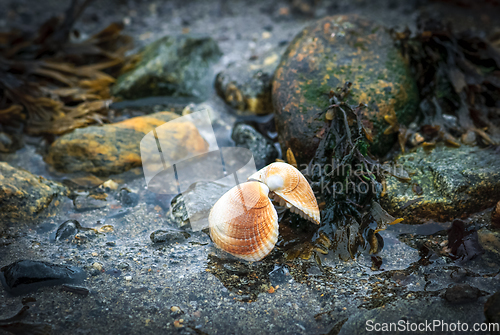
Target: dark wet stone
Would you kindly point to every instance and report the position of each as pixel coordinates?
(172, 66)
(161, 235)
(26, 197)
(247, 86)
(455, 182)
(461, 293)
(263, 150)
(115, 148)
(492, 308)
(26, 275)
(86, 203)
(324, 56)
(127, 198)
(83, 291)
(68, 229)
(200, 198)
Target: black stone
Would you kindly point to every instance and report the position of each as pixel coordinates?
(127, 198)
(26, 275)
(68, 229)
(263, 149)
(160, 236)
(83, 291)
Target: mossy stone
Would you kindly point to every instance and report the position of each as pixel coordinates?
(446, 183)
(25, 197)
(324, 56)
(172, 66)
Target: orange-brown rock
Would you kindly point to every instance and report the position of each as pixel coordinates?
(115, 148)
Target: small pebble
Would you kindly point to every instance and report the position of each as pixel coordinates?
(178, 323)
(128, 278)
(98, 266)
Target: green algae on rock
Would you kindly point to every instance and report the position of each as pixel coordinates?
(115, 148)
(452, 183)
(324, 56)
(172, 66)
(25, 197)
(247, 87)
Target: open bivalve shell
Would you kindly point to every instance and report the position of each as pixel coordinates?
(244, 222)
(289, 188)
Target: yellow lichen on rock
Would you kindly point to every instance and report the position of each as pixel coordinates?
(115, 148)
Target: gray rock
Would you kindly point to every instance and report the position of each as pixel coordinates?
(172, 66)
(195, 203)
(27, 275)
(247, 86)
(452, 183)
(263, 150)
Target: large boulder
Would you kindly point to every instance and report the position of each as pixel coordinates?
(172, 66)
(25, 197)
(115, 148)
(324, 56)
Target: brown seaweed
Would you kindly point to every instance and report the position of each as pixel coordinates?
(54, 84)
(458, 76)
